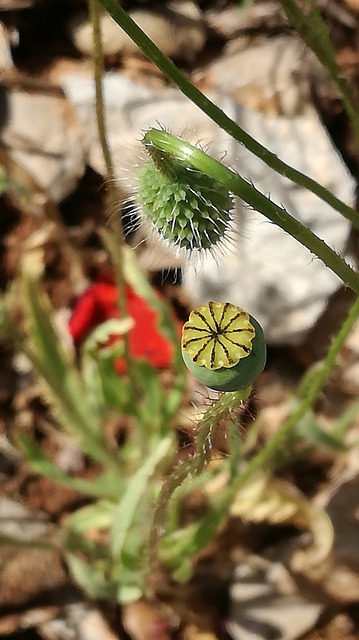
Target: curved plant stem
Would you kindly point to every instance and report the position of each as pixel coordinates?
(197, 159)
(212, 418)
(314, 31)
(113, 195)
(318, 381)
(170, 70)
(266, 456)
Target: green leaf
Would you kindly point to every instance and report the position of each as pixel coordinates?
(61, 383)
(115, 388)
(184, 571)
(129, 593)
(190, 540)
(309, 429)
(150, 409)
(107, 388)
(101, 486)
(93, 516)
(107, 329)
(136, 489)
(91, 577)
(179, 544)
(92, 382)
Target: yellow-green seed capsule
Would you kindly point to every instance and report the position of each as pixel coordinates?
(223, 346)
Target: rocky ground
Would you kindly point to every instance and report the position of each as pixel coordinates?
(248, 60)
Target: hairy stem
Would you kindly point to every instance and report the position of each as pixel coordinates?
(268, 454)
(170, 70)
(205, 429)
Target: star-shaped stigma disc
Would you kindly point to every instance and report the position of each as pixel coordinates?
(217, 335)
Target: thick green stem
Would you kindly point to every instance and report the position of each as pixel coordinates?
(170, 70)
(197, 159)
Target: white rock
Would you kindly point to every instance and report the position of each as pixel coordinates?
(114, 39)
(43, 134)
(18, 522)
(270, 75)
(6, 61)
(77, 621)
(263, 604)
(268, 273)
(176, 28)
(271, 275)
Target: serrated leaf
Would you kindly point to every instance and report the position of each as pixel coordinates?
(136, 489)
(135, 277)
(179, 544)
(116, 390)
(149, 411)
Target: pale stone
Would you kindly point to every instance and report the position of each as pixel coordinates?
(177, 28)
(263, 604)
(268, 273)
(6, 61)
(77, 621)
(43, 134)
(114, 39)
(269, 76)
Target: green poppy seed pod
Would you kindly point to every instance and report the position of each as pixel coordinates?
(189, 211)
(223, 346)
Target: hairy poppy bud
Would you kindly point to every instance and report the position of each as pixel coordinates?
(189, 211)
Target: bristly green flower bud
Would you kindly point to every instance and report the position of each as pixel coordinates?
(223, 346)
(189, 211)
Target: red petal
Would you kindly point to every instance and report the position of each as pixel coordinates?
(99, 303)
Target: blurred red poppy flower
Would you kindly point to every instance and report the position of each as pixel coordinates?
(99, 303)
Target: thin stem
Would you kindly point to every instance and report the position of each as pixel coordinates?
(112, 191)
(213, 416)
(317, 383)
(314, 31)
(268, 454)
(170, 70)
(185, 152)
